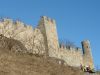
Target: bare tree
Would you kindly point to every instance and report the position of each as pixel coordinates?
(67, 43)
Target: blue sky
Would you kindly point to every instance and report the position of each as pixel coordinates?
(76, 19)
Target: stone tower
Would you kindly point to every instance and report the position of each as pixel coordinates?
(47, 27)
(87, 55)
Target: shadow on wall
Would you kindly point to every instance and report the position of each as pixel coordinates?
(11, 44)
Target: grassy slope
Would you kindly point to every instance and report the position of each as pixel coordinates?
(25, 64)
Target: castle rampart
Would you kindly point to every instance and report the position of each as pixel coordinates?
(72, 56)
(87, 55)
(48, 28)
(43, 40)
(31, 38)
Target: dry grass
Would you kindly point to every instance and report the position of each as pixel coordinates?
(25, 64)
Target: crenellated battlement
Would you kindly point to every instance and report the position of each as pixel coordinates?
(70, 48)
(17, 23)
(48, 19)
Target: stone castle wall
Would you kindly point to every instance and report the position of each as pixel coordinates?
(43, 40)
(87, 55)
(48, 28)
(31, 38)
(72, 56)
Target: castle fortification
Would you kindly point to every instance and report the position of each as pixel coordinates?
(43, 40)
(47, 27)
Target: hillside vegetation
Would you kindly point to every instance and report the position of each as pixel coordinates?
(15, 60)
(27, 64)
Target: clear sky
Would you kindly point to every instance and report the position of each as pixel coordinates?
(76, 19)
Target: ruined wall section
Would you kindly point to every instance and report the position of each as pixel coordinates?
(31, 38)
(43, 40)
(72, 56)
(87, 55)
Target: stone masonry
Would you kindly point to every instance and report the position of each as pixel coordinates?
(43, 40)
(48, 28)
(87, 55)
